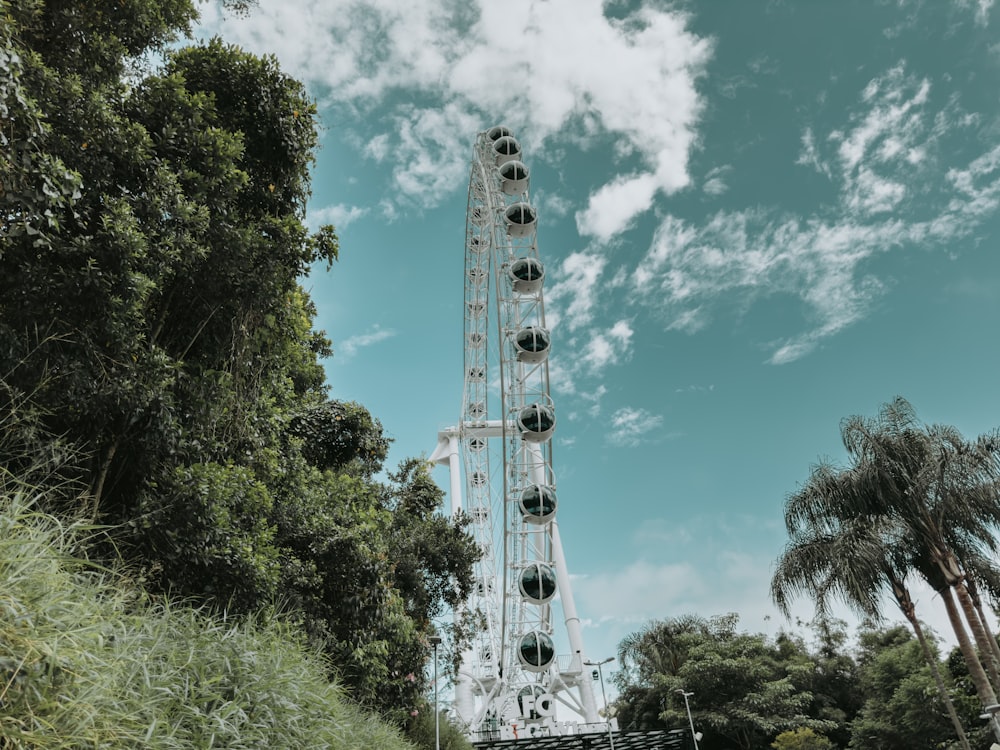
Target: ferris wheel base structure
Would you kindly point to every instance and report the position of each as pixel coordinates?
(501, 477)
(538, 717)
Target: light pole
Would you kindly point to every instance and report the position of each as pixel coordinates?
(600, 674)
(694, 737)
(435, 641)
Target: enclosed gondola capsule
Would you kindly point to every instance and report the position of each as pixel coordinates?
(538, 503)
(520, 219)
(526, 275)
(536, 651)
(497, 132)
(537, 583)
(513, 177)
(536, 422)
(506, 149)
(532, 344)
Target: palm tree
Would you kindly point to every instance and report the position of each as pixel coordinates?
(914, 499)
(834, 551)
(660, 648)
(945, 491)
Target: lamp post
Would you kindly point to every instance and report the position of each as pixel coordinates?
(687, 707)
(435, 641)
(600, 674)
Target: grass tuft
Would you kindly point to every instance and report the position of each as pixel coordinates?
(89, 661)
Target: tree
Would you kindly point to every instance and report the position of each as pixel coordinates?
(854, 559)
(914, 499)
(153, 324)
(746, 689)
(902, 709)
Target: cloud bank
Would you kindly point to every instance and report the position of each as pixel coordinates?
(452, 68)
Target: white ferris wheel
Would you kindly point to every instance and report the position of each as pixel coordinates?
(511, 681)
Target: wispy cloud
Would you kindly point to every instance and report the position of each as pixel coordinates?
(605, 347)
(542, 73)
(339, 215)
(585, 350)
(351, 346)
(886, 152)
(573, 295)
(630, 425)
(715, 181)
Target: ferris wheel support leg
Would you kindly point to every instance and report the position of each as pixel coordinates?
(573, 625)
(447, 452)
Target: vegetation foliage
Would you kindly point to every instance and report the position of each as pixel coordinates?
(158, 354)
(163, 408)
(753, 691)
(88, 660)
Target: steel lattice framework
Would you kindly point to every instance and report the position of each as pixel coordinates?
(511, 679)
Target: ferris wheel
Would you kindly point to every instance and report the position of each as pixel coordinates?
(501, 474)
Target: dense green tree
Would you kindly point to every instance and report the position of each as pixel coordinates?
(902, 708)
(746, 689)
(154, 333)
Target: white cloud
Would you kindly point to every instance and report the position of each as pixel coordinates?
(378, 147)
(809, 156)
(550, 204)
(594, 399)
(715, 182)
(983, 11)
(543, 66)
(641, 590)
(613, 207)
(339, 215)
(574, 294)
(351, 346)
(981, 7)
(605, 347)
(629, 425)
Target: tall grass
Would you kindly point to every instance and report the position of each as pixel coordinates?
(88, 661)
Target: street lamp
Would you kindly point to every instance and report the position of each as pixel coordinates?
(694, 737)
(435, 641)
(600, 673)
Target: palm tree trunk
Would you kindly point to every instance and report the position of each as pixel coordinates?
(939, 681)
(906, 605)
(976, 672)
(977, 602)
(978, 632)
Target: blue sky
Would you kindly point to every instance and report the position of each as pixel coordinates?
(757, 218)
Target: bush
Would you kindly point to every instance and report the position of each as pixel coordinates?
(802, 738)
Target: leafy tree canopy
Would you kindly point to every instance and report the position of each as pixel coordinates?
(154, 334)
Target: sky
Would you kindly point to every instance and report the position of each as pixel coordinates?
(757, 219)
